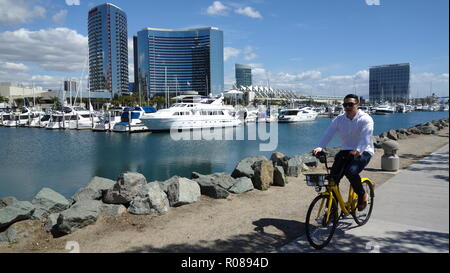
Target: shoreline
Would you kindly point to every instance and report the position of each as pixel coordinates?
(256, 221)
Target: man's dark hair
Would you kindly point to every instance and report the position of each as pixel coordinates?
(352, 96)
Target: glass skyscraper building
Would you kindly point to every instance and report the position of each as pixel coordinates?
(243, 75)
(108, 50)
(389, 82)
(180, 60)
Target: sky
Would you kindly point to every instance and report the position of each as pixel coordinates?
(316, 47)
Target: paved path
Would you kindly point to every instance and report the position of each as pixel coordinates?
(410, 215)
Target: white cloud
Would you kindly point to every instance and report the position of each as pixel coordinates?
(250, 12)
(16, 12)
(229, 52)
(217, 8)
(60, 17)
(55, 49)
(13, 67)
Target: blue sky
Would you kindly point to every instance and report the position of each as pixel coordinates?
(313, 47)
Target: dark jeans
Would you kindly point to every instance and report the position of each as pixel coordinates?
(351, 167)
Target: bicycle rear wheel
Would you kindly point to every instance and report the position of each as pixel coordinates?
(319, 229)
(361, 217)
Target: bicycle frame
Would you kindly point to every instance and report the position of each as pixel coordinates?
(335, 194)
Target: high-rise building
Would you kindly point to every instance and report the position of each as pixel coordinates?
(180, 60)
(243, 75)
(389, 82)
(108, 49)
(70, 85)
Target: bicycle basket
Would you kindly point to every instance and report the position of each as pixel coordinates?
(315, 180)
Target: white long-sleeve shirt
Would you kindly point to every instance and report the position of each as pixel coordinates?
(355, 134)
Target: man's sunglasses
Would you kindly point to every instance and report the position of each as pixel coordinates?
(348, 104)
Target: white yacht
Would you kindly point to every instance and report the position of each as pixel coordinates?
(131, 121)
(193, 115)
(36, 119)
(108, 120)
(60, 119)
(18, 118)
(297, 115)
(4, 117)
(82, 119)
(384, 109)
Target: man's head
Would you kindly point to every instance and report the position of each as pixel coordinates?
(351, 104)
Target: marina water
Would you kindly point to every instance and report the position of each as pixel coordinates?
(65, 161)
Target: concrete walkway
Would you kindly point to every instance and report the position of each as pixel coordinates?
(410, 214)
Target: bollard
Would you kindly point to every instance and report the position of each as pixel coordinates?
(390, 160)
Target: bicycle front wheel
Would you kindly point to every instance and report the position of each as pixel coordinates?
(361, 217)
(321, 221)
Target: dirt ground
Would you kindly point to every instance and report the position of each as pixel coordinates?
(253, 222)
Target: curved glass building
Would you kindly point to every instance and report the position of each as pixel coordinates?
(108, 50)
(180, 60)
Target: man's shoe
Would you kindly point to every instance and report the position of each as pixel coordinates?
(362, 202)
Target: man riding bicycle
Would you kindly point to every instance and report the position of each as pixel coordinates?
(355, 129)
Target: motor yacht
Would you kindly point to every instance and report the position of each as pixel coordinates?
(193, 115)
(130, 121)
(297, 115)
(108, 120)
(384, 109)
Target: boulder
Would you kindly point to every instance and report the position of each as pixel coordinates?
(415, 130)
(263, 176)
(279, 177)
(244, 167)
(182, 191)
(222, 180)
(126, 188)
(51, 222)
(94, 190)
(18, 211)
(294, 166)
(6, 201)
(309, 160)
(383, 135)
(20, 230)
(392, 134)
(213, 191)
(279, 159)
(151, 199)
(48, 201)
(402, 136)
(243, 184)
(112, 210)
(427, 130)
(82, 214)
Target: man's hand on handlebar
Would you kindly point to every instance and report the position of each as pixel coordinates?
(316, 151)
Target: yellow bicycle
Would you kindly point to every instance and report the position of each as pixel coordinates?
(323, 213)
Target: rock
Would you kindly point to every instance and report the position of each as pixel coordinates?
(427, 130)
(383, 135)
(263, 176)
(223, 180)
(244, 167)
(150, 200)
(182, 191)
(83, 213)
(48, 201)
(279, 177)
(332, 152)
(126, 188)
(20, 230)
(6, 201)
(309, 160)
(279, 159)
(392, 134)
(213, 191)
(415, 130)
(243, 184)
(94, 190)
(294, 166)
(402, 136)
(51, 222)
(112, 210)
(17, 211)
